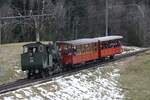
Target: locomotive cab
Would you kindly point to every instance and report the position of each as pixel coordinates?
(36, 58)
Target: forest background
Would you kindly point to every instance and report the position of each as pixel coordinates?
(72, 19)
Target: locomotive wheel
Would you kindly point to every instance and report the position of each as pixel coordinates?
(50, 73)
(30, 74)
(43, 74)
(46, 72)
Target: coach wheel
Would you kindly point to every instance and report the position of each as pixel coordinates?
(112, 57)
(102, 59)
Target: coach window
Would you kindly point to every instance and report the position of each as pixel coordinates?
(119, 43)
(96, 46)
(103, 45)
(116, 43)
(93, 47)
(86, 48)
(109, 44)
(65, 49)
(100, 46)
(89, 47)
(78, 49)
(83, 49)
(74, 49)
(69, 50)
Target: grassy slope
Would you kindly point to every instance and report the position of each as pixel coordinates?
(135, 78)
(10, 62)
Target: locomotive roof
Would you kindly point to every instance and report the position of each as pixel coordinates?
(33, 44)
(90, 40)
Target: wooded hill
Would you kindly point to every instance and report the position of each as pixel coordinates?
(70, 19)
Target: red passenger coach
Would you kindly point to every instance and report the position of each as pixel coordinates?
(109, 46)
(78, 51)
(84, 50)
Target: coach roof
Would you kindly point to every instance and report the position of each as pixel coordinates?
(108, 38)
(79, 41)
(90, 40)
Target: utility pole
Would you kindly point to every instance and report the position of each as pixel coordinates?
(0, 32)
(37, 25)
(76, 28)
(106, 19)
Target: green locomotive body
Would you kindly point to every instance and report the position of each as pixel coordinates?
(37, 58)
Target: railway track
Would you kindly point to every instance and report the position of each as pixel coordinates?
(22, 83)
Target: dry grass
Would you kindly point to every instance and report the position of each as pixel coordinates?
(135, 78)
(10, 69)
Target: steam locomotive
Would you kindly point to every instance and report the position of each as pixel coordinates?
(42, 60)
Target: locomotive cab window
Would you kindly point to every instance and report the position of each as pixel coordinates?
(41, 48)
(25, 49)
(33, 50)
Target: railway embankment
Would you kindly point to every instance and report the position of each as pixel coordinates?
(117, 80)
